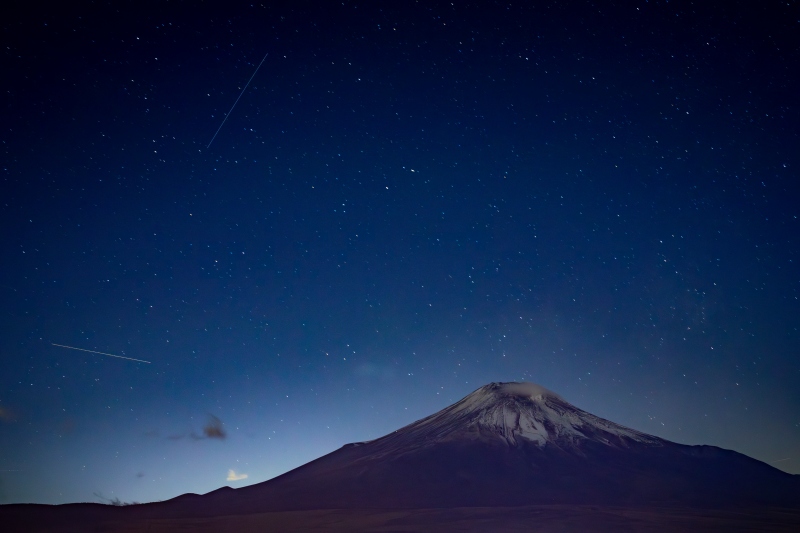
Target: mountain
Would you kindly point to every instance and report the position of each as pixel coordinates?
(510, 444)
(503, 456)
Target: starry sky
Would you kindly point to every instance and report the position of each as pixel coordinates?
(408, 201)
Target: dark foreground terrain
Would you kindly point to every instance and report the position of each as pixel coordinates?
(538, 518)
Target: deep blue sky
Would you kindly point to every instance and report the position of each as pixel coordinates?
(410, 200)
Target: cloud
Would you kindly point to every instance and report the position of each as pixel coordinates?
(213, 430)
(233, 476)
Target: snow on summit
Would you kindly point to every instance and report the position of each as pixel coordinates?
(514, 413)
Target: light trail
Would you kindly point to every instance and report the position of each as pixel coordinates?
(101, 353)
(237, 101)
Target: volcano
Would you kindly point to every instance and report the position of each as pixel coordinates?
(511, 444)
(504, 447)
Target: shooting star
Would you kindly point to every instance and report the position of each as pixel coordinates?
(237, 100)
(101, 353)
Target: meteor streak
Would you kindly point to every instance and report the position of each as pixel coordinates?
(101, 353)
(237, 100)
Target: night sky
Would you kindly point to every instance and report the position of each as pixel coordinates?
(408, 201)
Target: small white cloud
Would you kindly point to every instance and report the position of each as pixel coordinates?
(233, 476)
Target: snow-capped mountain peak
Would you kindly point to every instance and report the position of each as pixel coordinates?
(514, 413)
